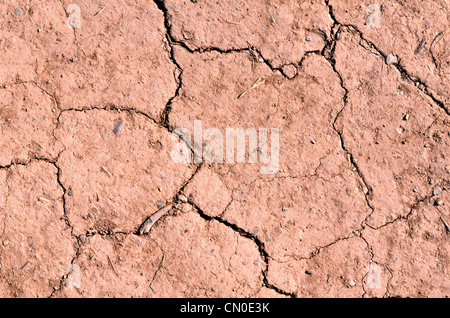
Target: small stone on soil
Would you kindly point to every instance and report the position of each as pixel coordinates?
(391, 59)
(182, 198)
(437, 191)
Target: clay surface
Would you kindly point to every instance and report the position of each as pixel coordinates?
(92, 99)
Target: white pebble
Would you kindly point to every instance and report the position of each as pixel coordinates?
(391, 59)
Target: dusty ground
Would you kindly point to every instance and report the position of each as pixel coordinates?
(358, 208)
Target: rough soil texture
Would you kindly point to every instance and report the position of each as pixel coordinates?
(86, 122)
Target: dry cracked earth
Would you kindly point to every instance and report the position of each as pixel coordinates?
(357, 208)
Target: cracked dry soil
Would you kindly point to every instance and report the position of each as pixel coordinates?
(363, 179)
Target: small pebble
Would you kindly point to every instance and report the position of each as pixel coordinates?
(351, 283)
(70, 193)
(182, 198)
(308, 39)
(83, 238)
(391, 59)
(309, 272)
(437, 191)
(272, 19)
(415, 190)
(18, 11)
(160, 204)
(283, 208)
